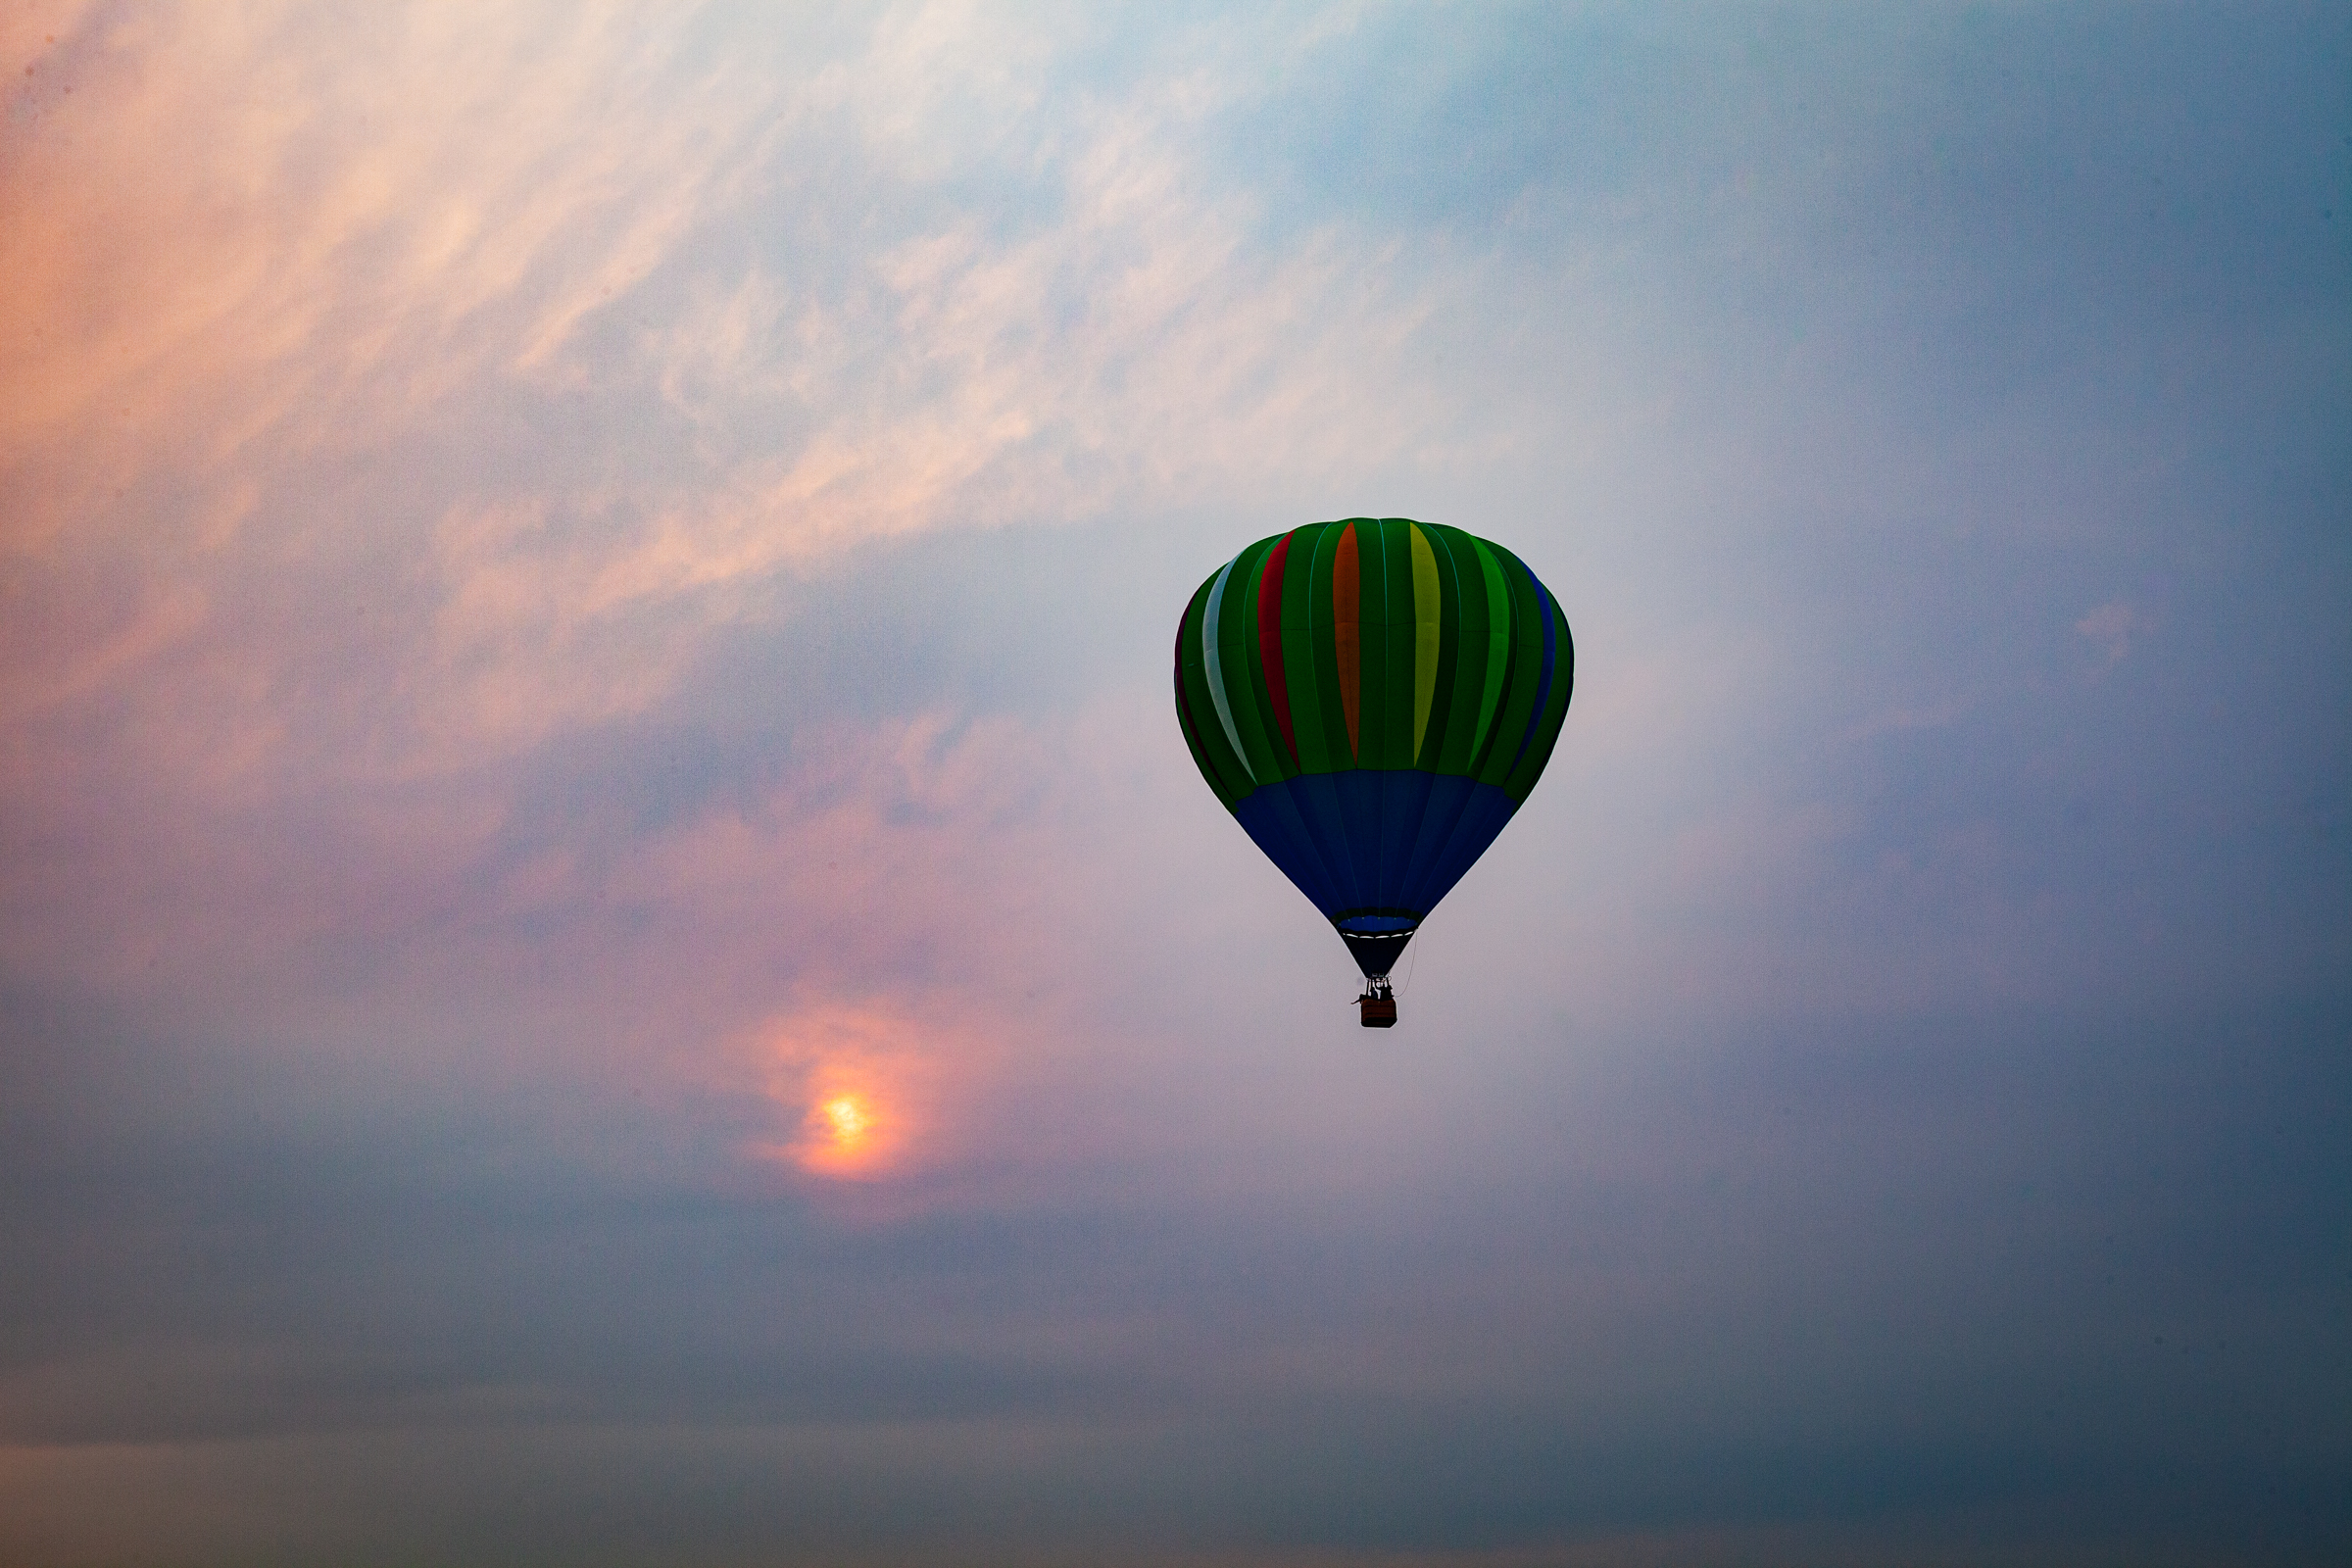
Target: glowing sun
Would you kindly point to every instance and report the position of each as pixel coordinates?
(848, 1118)
(849, 1130)
(857, 1083)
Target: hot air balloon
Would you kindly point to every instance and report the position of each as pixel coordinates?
(1372, 699)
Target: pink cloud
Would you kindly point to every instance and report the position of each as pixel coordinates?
(322, 575)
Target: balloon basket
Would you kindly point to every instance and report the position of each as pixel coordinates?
(1377, 1005)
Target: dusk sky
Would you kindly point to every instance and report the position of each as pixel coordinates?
(610, 952)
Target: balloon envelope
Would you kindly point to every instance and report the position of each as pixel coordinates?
(1372, 699)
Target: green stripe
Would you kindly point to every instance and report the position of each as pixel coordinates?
(1222, 769)
(1299, 653)
(1496, 674)
(1245, 666)
(1465, 644)
(1478, 679)
(1527, 670)
(1450, 657)
(1372, 616)
(1192, 744)
(1215, 620)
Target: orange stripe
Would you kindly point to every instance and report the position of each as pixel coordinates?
(1347, 605)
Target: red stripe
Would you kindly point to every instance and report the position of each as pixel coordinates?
(1269, 639)
(1347, 629)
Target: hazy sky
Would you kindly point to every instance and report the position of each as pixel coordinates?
(585, 592)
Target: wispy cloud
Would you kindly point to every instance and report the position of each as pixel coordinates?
(599, 901)
(2111, 629)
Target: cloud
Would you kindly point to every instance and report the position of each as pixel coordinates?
(358, 538)
(470, 386)
(314, 222)
(606, 942)
(506, 434)
(2111, 627)
(1932, 715)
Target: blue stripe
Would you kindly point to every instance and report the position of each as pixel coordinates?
(1449, 795)
(1534, 715)
(1396, 840)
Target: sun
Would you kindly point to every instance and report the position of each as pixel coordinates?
(856, 1083)
(848, 1130)
(848, 1118)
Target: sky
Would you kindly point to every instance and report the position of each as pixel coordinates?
(610, 952)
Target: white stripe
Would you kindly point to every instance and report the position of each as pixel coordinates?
(1216, 672)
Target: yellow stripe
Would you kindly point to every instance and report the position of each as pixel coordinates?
(1425, 633)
